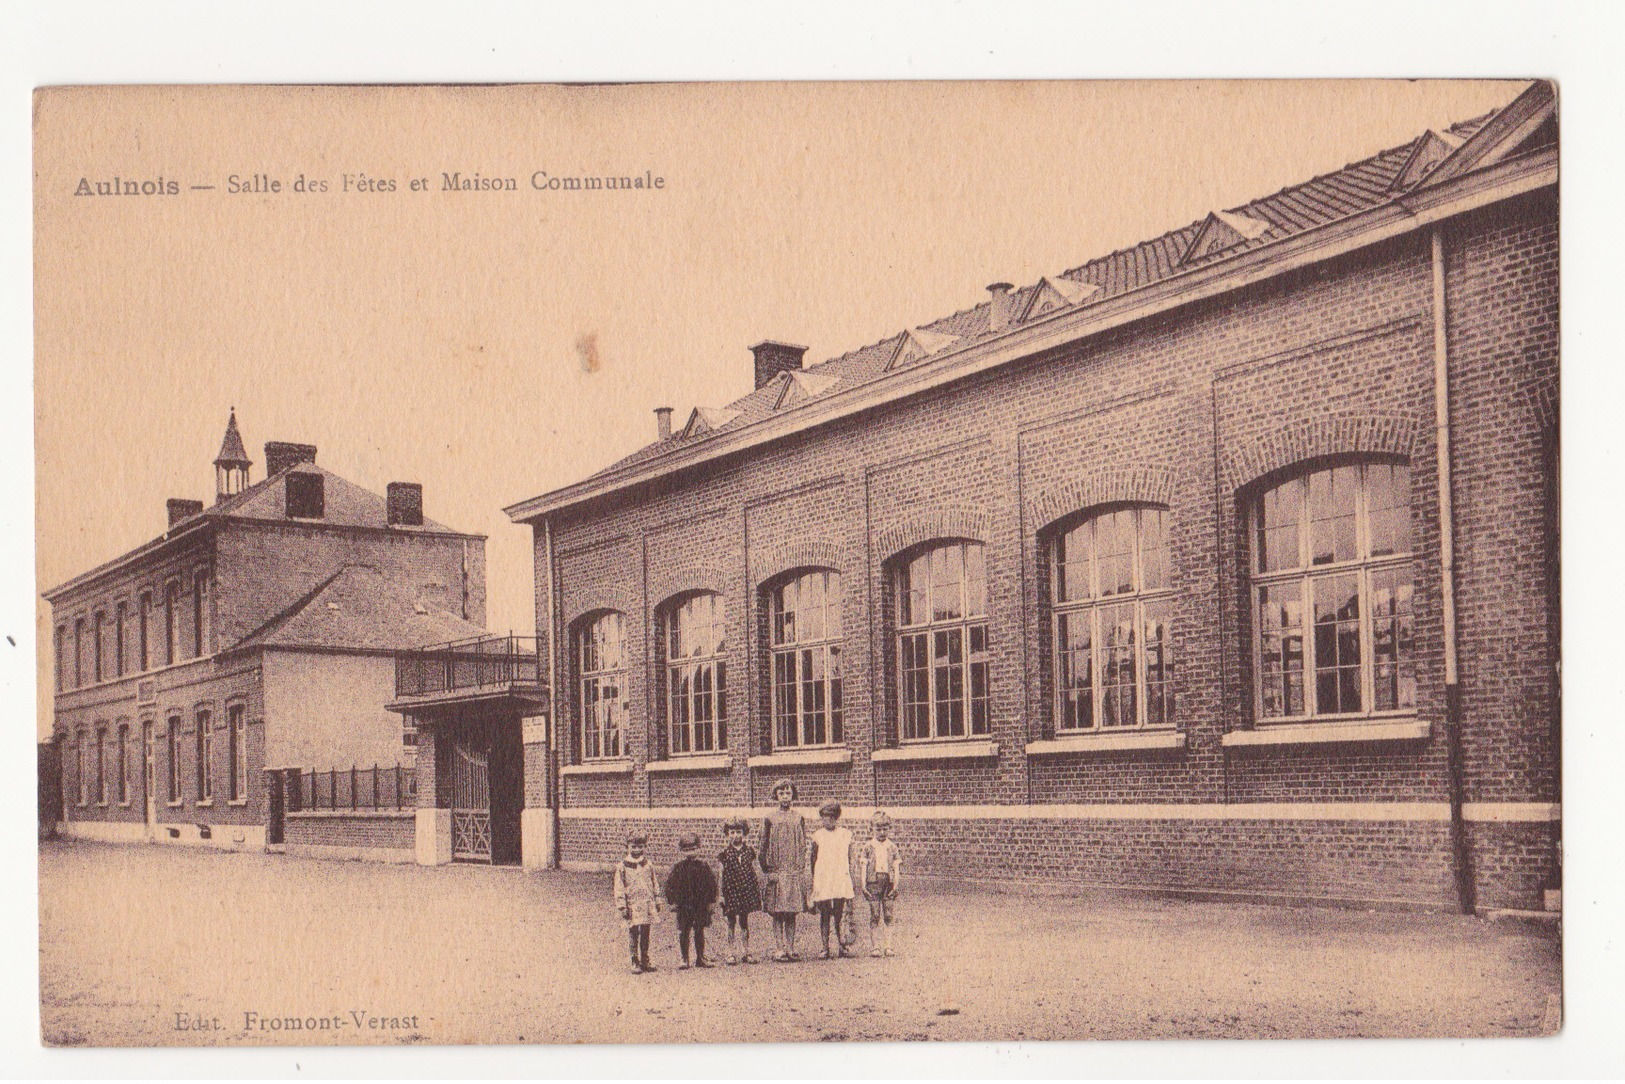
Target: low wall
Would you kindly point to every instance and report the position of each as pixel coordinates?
(1364, 855)
(384, 836)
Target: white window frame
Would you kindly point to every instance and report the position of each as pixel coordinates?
(698, 681)
(1306, 575)
(172, 742)
(801, 657)
(124, 762)
(603, 725)
(1092, 608)
(969, 621)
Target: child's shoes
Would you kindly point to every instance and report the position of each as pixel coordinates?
(703, 962)
(877, 954)
(748, 959)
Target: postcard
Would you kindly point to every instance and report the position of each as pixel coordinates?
(713, 563)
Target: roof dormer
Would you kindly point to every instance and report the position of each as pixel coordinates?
(800, 386)
(916, 344)
(1222, 230)
(708, 420)
(1055, 292)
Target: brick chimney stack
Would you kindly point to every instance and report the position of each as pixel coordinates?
(773, 358)
(281, 454)
(405, 501)
(663, 422)
(180, 509)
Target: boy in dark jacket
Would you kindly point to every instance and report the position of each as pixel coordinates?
(691, 889)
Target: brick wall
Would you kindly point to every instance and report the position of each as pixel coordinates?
(1194, 410)
(381, 837)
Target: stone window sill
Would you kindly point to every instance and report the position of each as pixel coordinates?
(238, 801)
(954, 750)
(205, 803)
(1105, 743)
(790, 758)
(176, 804)
(1401, 729)
(622, 766)
(718, 762)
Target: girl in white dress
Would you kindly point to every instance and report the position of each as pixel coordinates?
(830, 858)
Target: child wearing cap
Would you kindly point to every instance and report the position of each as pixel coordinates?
(830, 858)
(637, 898)
(691, 889)
(881, 866)
(740, 893)
(784, 865)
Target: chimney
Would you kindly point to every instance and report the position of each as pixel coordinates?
(280, 455)
(663, 422)
(405, 504)
(773, 358)
(182, 509)
(999, 313)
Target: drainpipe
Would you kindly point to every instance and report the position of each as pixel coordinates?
(554, 790)
(1461, 853)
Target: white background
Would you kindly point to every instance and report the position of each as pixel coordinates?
(419, 42)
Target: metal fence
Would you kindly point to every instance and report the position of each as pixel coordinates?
(356, 788)
(468, 664)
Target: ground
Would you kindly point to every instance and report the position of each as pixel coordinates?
(153, 945)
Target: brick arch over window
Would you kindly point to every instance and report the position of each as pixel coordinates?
(937, 523)
(1366, 434)
(594, 603)
(693, 579)
(775, 561)
(1107, 485)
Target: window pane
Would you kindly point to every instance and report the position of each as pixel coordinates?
(975, 580)
(1332, 497)
(1117, 679)
(1388, 492)
(916, 686)
(1074, 552)
(1159, 665)
(1114, 552)
(947, 580)
(1280, 627)
(1074, 670)
(1392, 648)
(1337, 644)
(1153, 549)
(948, 676)
(835, 734)
(832, 605)
(1279, 518)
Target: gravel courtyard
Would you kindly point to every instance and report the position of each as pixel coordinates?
(148, 945)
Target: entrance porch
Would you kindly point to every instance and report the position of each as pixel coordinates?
(484, 762)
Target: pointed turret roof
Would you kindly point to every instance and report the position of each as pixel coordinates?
(232, 453)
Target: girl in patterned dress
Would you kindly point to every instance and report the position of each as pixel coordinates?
(784, 861)
(740, 892)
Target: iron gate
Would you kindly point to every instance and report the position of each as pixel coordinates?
(470, 802)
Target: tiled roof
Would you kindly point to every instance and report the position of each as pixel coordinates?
(1356, 187)
(346, 504)
(359, 609)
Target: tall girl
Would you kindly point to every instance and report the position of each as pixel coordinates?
(784, 864)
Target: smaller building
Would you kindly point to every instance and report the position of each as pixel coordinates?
(253, 639)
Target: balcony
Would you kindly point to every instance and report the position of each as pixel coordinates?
(464, 671)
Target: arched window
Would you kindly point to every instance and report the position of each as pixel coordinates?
(237, 739)
(696, 676)
(1111, 608)
(942, 658)
(1331, 593)
(804, 617)
(601, 685)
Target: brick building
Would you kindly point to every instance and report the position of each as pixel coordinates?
(257, 633)
(1226, 562)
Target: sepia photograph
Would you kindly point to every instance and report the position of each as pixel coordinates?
(798, 562)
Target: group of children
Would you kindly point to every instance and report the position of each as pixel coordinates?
(798, 873)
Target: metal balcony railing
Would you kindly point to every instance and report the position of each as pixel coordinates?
(477, 663)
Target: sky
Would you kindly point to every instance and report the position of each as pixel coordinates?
(444, 337)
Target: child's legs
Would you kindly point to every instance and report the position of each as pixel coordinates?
(682, 941)
(824, 912)
(632, 941)
(744, 931)
(699, 943)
